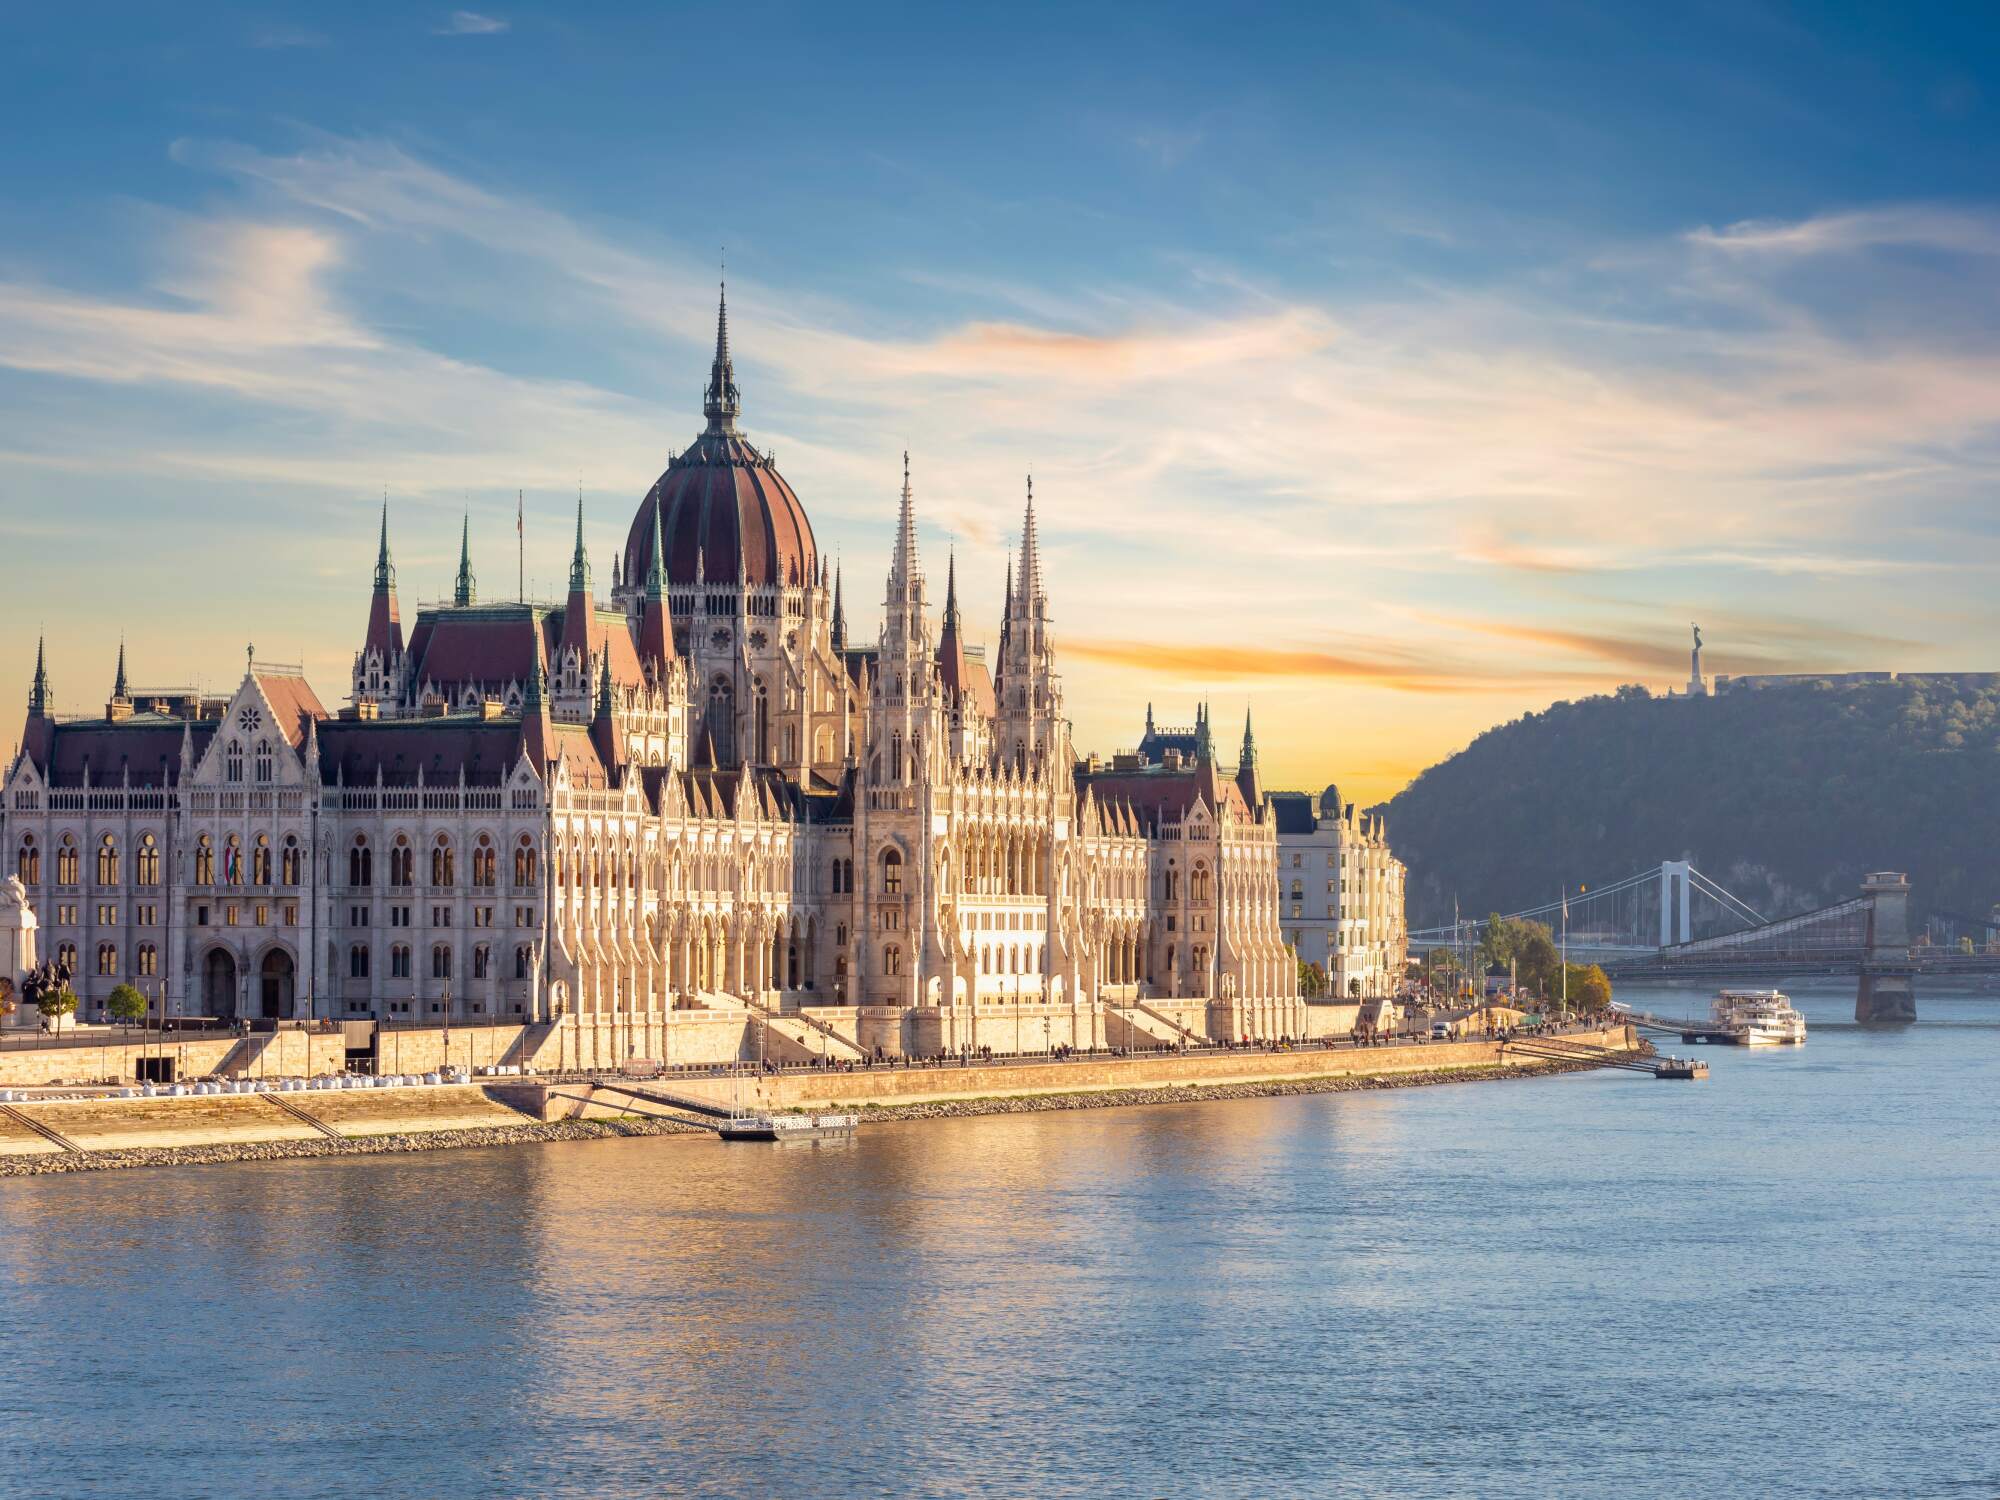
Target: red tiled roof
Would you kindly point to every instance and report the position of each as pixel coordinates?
(293, 701)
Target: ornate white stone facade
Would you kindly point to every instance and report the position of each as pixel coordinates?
(696, 794)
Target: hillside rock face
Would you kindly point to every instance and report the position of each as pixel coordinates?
(1786, 795)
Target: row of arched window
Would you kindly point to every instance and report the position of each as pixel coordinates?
(145, 958)
(444, 862)
(232, 762)
(69, 861)
(287, 862)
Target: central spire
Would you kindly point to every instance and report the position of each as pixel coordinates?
(38, 695)
(905, 572)
(579, 563)
(723, 402)
(385, 571)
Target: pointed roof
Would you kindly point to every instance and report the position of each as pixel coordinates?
(1032, 592)
(839, 613)
(38, 693)
(723, 403)
(905, 570)
(120, 693)
(656, 631)
(385, 624)
(1249, 740)
(579, 560)
(951, 646)
(465, 591)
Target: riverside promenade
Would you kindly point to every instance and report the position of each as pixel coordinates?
(76, 1129)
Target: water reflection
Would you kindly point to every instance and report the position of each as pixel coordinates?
(1498, 1288)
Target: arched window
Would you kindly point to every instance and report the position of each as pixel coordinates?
(357, 961)
(402, 863)
(232, 860)
(444, 866)
(892, 961)
(28, 863)
(722, 719)
(232, 762)
(204, 861)
(1173, 885)
(482, 958)
(441, 960)
(361, 864)
(260, 861)
(485, 859)
(149, 961)
(399, 961)
(291, 860)
(148, 860)
(264, 761)
(524, 862)
(107, 958)
(892, 872)
(1198, 883)
(66, 957)
(762, 706)
(66, 861)
(107, 861)
(523, 958)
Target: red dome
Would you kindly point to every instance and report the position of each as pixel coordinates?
(722, 503)
(724, 510)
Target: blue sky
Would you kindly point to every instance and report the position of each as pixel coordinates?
(1393, 369)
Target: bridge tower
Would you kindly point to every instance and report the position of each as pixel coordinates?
(1676, 902)
(1886, 996)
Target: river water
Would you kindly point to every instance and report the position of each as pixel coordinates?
(1780, 1281)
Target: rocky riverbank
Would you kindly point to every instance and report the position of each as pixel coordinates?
(367, 1145)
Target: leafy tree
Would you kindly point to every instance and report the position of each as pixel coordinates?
(126, 1005)
(1354, 989)
(55, 1003)
(1589, 987)
(1312, 980)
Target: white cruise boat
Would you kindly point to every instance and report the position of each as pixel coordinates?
(1759, 1018)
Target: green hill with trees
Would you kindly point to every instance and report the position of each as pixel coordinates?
(1785, 794)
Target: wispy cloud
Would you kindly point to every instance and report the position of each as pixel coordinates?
(470, 23)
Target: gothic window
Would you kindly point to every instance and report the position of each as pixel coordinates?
(759, 640)
(524, 862)
(444, 867)
(892, 961)
(28, 863)
(232, 762)
(357, 961)
(484, 859)
(361, 864)
(260, 861)
(204, 861)
(107, 861)
(722, 718)
(441, 960)
(822, 744)
(66, 957)
(523, 956)
(719, 639)
(148, 871)
(1198, 883)
(149, 961)
(481, 959)
(399, 961)
(107, 958)
(67, 861)
(264, 761)
(232, 861)
(291, 860)
(402, 863)
(892, 872)
(1173, 885)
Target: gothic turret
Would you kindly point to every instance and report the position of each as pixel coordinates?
(603, 722)
(465, 590)
(38, 691)
(120, 704)
(385, 623)
(952, 671)
(1030, 694)
(656, 626)
(722, 403)
(574, 660)
(839, 613)
(1247, 781)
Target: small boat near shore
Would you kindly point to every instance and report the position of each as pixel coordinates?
(788, 1127)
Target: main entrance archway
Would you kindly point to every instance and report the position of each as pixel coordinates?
(275, 985)
(218, 984)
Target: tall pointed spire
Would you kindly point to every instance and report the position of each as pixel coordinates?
(951, 590)
(1031, 555)
(385, 571)
(1204, 742)
(604, 687)
(656, 629)
(905, 571)
(465, 590)
(579, 561)
(656, 570)
(723, 402)
(1247, 781)
(38, 693)
(119, 690)
(839, 613)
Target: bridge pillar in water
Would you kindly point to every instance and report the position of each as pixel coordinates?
(1676, 902)
(1887, 994)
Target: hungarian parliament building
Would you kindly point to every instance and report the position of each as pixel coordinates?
(696, 793)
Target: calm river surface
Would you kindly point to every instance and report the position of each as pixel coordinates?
(1778, 1282)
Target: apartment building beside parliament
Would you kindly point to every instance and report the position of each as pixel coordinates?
(696, 793)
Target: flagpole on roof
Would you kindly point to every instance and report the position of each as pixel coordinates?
(521, 547)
